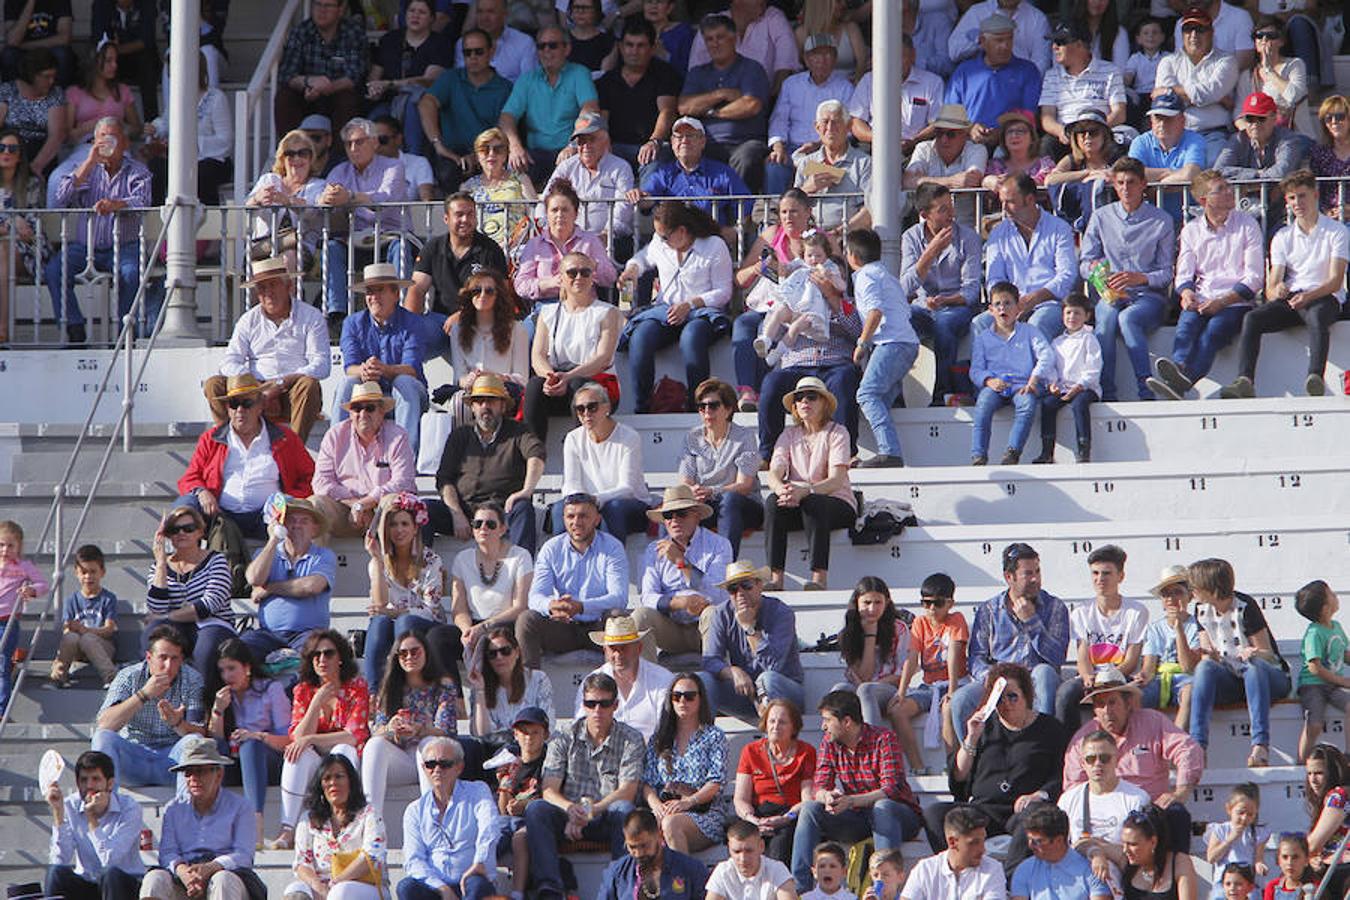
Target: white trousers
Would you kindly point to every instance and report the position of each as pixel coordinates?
(384, 763)
(343, 890)
(295, 778)
(224, 885)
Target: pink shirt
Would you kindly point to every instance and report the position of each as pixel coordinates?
(1214, 261)
(346, 470)
(1151, 745)
(812, 461)
(543, 257)
(12, 577)
(90, 109)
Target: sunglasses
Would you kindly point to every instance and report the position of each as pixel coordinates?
(586, 407)
(365, 407)
(409, 652)
(949, 132)
(1194, 29)
(673, 513)
(474, 51)
(432, 765)
(303, 152)
(486, 290)
(358, 139)
(578, 273)
(709, 405)
(806, 396)
(738, 587)
(489, 524)
(240, 402)
(607, 703)
(326, 653)
(1334, 117)
(10, 148)
(681, 696)
(1255, 120)
(492, 148)
(549, 45)
(499, 652)
(180, 529)
(932, 601)
(1061, 42)
(1266, 35)
(1094, 758)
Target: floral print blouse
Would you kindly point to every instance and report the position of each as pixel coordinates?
(423, 595)
(315, 846)
(351, 714)
(704, 760)
(436, 705)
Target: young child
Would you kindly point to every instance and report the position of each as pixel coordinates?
(1076, 382)
(90, 616)
(517, 784)
(887, 347)
(887, 870)
(829, 867)
(937, 647)
(1166, 674)
(799, 308)
(1322, 682)
(1292, 857)
(1141, 69)
(1240, 839)
(1236, 882)
(20, 581)
(1008, 364)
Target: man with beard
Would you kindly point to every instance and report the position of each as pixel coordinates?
(651, 869)
(495, 458)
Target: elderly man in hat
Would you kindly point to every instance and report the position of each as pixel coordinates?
(750, 647)
(95, 854)
(602, 181)
(591, 777)
(1148, 744)
(450, 832)
(794, 115)
(238, 465)
(495, 458)
(384, 344)
(292, 579)
(360, 460)
(951, 159)
(208, 835)
(1262, 149)
(679, 596)
(283, 344)
(642, 683)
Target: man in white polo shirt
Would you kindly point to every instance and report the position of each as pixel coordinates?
(962, 871)
(1306, 285)
(1232, 31)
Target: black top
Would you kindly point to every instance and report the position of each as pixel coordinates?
(448, 272)
(135, 24)
(632, 110)
(495, 472)
(46, 13)
(591, 52)
(1134, 893)
(1009, 764)
(398, 60)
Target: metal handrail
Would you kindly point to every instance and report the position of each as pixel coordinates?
(247, 103)
(53, 526)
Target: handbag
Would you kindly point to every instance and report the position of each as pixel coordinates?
(678, 790)
(344, 858)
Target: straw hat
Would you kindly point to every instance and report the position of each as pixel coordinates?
(811, 383)
(301, 505)
(199, 750)
(1108, 680)
(489, 386)
(267, 269)
(1169, 576)
(242, 385)
(744, 570)
(377, 274)
(618, 630)
(677, 497)
(952, 115)
(368, 391)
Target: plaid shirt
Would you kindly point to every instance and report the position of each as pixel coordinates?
(594, 772)
(999, 636)
(147, 726)
(131, 182)
(307, 53)
(845, 328)
(873, 764)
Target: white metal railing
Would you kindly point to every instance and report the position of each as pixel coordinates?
(254, 123)
(53, 528)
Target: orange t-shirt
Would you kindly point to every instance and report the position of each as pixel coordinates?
(934, 642)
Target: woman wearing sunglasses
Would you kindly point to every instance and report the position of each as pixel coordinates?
(721, 463)
(487, 339)
(686, 768)
(1330, 156)
(287, 197)
(190, 587)
(1152, 871)
(340, 846)
(1081, 181)
(1283, 79)
(499, 192)
(574, 342)
(603, 457)
(502, 687)
(490, 581)
(20, 189)
(1007, 764)
(330, 713)
(415, 704)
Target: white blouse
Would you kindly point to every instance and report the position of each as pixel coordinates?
(486, 600)
(574, 334)
(704, 272)
(482, 354)
(608, 469)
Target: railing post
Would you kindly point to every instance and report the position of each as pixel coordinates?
(128, 385)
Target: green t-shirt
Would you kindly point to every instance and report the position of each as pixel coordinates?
(1326, 644)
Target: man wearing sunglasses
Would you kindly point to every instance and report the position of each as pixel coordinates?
(450, 832)
(462, 103)
(643, 685)
(1057, 869)
(1097, 808)
(548, 100)
(1263, 149)
(510, 51)
(591, 777)
(1076, 83)
(360, 461)
(416, 169)
(1203, 77)
(1232, 29)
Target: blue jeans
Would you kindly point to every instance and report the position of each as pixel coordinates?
(966, 699)
(1198, 339)
(250, 523)
(733, 514)
(262, 642)
(335, 285)
(1152, 692)
(889, 822)
(768, 686)
(695, 337)
(410, 401)
(989, 402)
(128, 280)
(112, 884)
(841, 379)
(945, 326)
(749, 367)
(137, 764)
(1080, 406)
(544, 825)
(477, 887)
(259, 764)
(1048, 317)
(381, 633)
(1133, 323)
(1258, 685)
(778, 176)
(880, 385)
(7, 646)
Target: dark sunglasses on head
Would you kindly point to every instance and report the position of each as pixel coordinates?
(489, 524)
(496, 652)
(298, 151)
(549, 45)
(586, 407)
(474, 51)
(171, 530)
(709, 405)
(596, 703)
(677, 696)
(578, 273)
(364, 407)
(432, 765)
(1334, 117)
(326, 653)
(10, 148)
(240, 402)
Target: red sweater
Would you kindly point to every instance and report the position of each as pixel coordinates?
(207, 467)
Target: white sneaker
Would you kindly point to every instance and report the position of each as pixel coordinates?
(762, 348)
(773, 356)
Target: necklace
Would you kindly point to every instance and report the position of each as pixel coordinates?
(496, 571)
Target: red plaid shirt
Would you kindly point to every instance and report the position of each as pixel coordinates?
(875, 763)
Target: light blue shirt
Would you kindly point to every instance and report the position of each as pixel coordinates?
(1141, 241)
(1015, 358)
(1160, 639)
(598, 578)
(875, 288)
(794, 115)
(955, 271)
(550, 110)
(226, 834)
(1190, 149)
(705, 559)
(1049, 261)
(115, 842)
(285, 614)
(1072, 876)
(440, 846)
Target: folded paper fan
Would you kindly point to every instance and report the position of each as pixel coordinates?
(274, 510)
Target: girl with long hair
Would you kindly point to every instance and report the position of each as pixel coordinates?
(487, 339)
(502, 687)
(686, 768)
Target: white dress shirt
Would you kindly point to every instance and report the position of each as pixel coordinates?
(513, 56)
(705, 272)
(933, 879)
(251, 474)
(920, 101)
(1206, 83)
(1031, 35)
(297, 345)
(612, 178)
(794, 115)
(1078, 360)
(641, 709)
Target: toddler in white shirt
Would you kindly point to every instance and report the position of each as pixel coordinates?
(799, 308)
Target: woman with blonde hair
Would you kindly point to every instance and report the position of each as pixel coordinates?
(287, 197)
(1330, 157)
(831, 17)
(503, 196)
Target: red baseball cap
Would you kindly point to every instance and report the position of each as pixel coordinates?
(1258, 104)
(1197, 14)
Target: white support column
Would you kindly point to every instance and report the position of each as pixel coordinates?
(180, 319)
(887, 160)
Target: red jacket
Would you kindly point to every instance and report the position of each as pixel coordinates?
(207, 467)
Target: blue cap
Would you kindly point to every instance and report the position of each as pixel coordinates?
(532, 715)
(1168, 104)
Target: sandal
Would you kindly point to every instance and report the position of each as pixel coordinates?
(1259, 757)
(285, 840)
